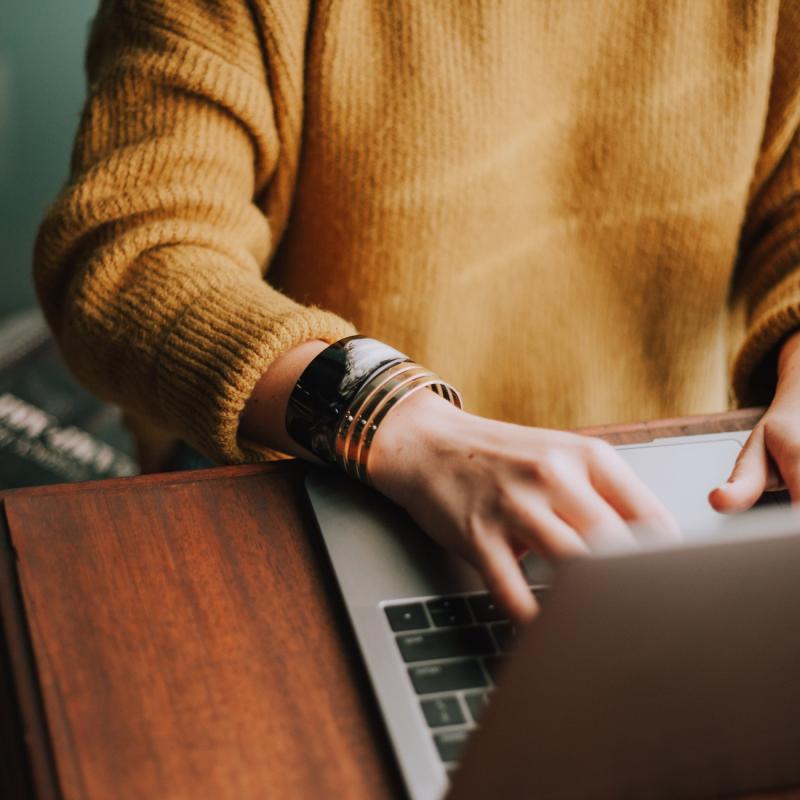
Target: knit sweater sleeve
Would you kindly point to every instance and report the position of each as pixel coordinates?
(150, 264)
(767, 289)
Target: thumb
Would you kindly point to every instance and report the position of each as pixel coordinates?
(749, 478)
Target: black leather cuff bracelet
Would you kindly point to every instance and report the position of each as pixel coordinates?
(327, 388)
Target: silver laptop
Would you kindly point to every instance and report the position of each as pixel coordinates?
(433, 641)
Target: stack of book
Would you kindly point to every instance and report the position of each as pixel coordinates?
(51, 429)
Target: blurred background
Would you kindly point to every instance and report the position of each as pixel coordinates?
(50, 429)
(41, 92)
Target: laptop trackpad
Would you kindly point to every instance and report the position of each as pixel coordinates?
(682, 475)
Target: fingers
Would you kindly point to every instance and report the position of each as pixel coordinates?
(790, 469)
(572, 518)
(624, 491)
(505, 580)
(548, 534)
(599, 525)
(782, 444)
(574, 506)
(749, 479)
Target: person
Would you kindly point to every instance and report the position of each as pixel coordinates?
(576, 213)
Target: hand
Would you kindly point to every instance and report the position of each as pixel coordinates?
(771, 457)
(491, 491)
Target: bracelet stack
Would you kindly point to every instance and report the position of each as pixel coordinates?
(346, 392)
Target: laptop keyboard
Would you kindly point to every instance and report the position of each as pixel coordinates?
(453, 649)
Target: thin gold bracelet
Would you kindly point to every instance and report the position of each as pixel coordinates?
(391, 401)
(349, 429)
(370, 407)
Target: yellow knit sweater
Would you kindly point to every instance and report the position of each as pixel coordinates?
(576, 212)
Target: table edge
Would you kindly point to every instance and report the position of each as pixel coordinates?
(28, 717)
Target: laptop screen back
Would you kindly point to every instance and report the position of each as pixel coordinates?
(661, 674)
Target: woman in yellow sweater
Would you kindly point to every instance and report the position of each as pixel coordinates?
(574, 212)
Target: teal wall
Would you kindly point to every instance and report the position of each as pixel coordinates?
(41, 92)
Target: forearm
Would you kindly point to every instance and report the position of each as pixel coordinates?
(263, 421)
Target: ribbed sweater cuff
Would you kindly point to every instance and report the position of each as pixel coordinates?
(773, 319)
(217, 351)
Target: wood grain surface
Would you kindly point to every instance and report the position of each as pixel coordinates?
(189, 646)
(181, 637)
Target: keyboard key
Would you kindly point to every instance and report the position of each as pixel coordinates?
(448, 677)
(408, 617)
(494, 666)
(504, 634)
(449, 611)
(450, 744)
(442, 711)
(454, 643)
(476, 703)
(484, 608)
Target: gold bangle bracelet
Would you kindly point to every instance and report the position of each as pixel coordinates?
(374, 401)
(385, 400)
(352, 427)
(364, 413)
(362, 454)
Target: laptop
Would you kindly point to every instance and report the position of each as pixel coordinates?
(436, 646)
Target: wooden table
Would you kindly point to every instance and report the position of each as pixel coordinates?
(180, 636)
